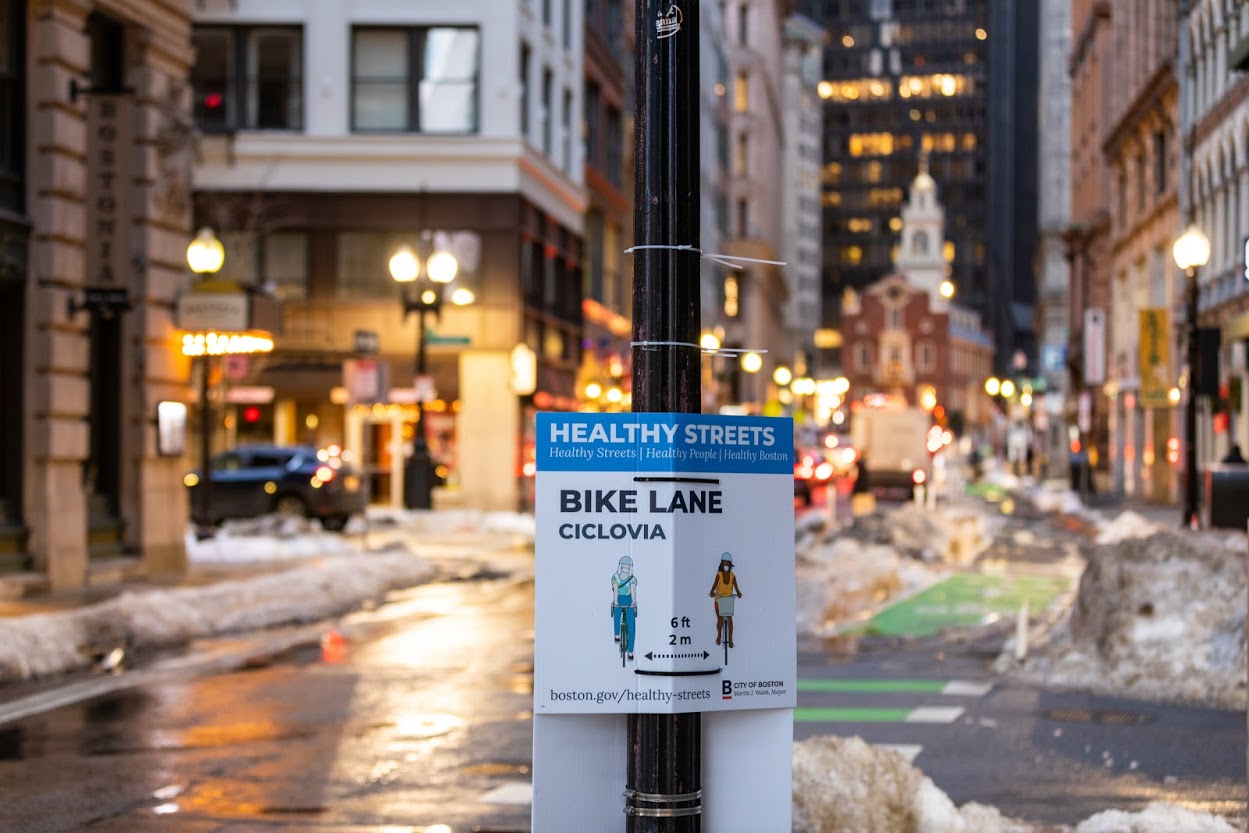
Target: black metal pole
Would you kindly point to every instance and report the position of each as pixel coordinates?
(1190, 409)
(205, 442)
(663, 777)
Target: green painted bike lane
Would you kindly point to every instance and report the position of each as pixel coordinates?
(964, 600)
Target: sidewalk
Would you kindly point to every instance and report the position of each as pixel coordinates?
(249, 577)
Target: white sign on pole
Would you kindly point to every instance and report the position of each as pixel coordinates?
(1094, 346)
(664, 584)
(363, 379)
(665, 572)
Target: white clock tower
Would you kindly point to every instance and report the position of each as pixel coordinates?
(921, 257)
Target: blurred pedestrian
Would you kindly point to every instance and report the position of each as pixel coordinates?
(861, 484)
(1233, 455)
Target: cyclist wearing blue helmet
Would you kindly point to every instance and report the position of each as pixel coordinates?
(624, 588)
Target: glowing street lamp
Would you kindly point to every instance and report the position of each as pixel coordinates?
(440, 269)
(1191, 252)
(205, 254)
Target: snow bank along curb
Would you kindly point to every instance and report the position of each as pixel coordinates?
(53, 643)
(1159, 614)
(844, 785)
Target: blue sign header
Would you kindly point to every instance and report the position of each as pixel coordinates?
(650, 442)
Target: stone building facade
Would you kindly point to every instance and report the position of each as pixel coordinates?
(1142, 153)
(1088, 234)
(1215, 78)
(1053, 273)
(94, 225)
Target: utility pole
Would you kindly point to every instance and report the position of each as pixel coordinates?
(664, 769)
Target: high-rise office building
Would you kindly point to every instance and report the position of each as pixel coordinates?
(911, 78)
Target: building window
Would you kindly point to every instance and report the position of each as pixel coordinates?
(248, 79)
(919, 243)
(722, 213)
(548, 88)
(566, 131)
(741, 166)
(362, 270)
(615, 146)
(591, 130)
(741, 93)
(1123, 199)
(415, 80)
(743, 217)
(276, 260)
(895, 319)
(1160, 162)
(863, 358)
(1141, 187)
(566, 18)
(12, 116)
(924, 359)
(743, 24)
(732, 296)
(523, 72)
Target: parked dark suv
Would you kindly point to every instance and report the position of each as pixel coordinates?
(256, 480)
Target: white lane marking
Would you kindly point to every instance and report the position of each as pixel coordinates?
(935, 714)
(910, 751)
(966, 688)
(513, 792)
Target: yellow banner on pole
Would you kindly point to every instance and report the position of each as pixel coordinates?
(1155, 358)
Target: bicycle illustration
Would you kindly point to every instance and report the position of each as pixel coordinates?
(624, 608)
(624, 636)
(724, 589)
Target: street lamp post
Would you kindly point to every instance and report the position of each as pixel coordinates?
(205, 255)
(440, 269)
(1191, 252)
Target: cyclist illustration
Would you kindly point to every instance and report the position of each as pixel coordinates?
(624, 609)
(723, 588)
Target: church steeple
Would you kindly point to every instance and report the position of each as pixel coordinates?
(921, 257)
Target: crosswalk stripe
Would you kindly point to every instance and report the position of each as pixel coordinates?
(935, 714)
(950, 688)
(871, 686)
(965, 688)
(513, 792)
(811, 714)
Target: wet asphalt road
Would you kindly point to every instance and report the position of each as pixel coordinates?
(420, 717)
(415, 718)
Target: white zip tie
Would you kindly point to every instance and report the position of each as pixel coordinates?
(727, 351)
(731, 261)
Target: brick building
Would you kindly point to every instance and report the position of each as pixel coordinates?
(904, 337)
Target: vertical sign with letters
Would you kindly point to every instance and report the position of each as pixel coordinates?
(1094, 346)
(1155, 358)
(110, 178)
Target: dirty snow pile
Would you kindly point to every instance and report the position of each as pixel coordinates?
(843, 785)
(880, 557)
(52, 643)
(1159, 614)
